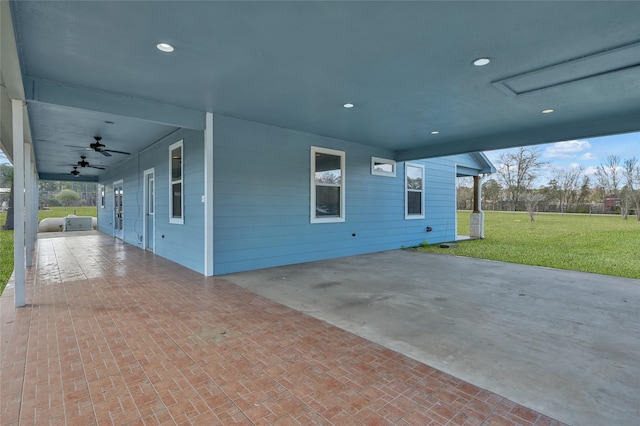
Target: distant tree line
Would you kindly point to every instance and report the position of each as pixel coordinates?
(61, 193)
(613, 189)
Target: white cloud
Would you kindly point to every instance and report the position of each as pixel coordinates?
(567, 149)
(588, 156)
(574, 165)
(590, 171)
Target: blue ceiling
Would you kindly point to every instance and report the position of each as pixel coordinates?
(407, 67)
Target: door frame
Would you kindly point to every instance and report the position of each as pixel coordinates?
(145, 195)
(121, 184)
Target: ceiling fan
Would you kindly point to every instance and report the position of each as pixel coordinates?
(98, 146)
(75, 171)
(84, 163)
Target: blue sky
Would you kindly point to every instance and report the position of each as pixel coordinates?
(588, 153)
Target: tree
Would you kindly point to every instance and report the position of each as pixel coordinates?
(568, 182)
(532, 198)
(491, 191)
(585, 190)
(518, 172)
(66, 197)
(6, 176)
(608, 175)
(464, 192)
(631, 190)
(551, 193)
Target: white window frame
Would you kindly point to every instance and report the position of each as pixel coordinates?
(334, 219)
(102, 195)
(379, 160)
(408, 216)
(177, 220)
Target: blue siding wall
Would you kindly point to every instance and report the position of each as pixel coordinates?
(183, 244)
(262, 196)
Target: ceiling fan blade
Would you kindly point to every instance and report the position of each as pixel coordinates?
(105, 153)
(117, 152)
(96, 167)
(77, 146)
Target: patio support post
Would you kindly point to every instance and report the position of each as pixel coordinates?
(208, 195)
(476, 194)
(35, 195)
(17, 109)
(28, 204)
(476, 222)
(36, 202)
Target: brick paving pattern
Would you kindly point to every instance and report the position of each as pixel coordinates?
(115, 335)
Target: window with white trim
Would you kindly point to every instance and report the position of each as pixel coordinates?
(176, 193)
(327, 185)
(414, 191)
(101, 195)
(383, 167)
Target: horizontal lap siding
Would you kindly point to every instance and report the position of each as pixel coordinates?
(262, 197)
(184, 243)
(440, 195)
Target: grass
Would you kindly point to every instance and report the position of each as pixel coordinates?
(601, 244)
(61, 212)
(6, 255)
(6, 237)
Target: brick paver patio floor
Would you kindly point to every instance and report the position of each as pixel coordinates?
(115, 335)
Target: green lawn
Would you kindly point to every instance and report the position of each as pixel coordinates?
(601, 244)
(6, 255)
(6, 237)
(61, 212)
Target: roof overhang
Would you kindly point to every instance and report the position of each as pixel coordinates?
(406, 67)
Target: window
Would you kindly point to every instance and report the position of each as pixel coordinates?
(414, 187)
(327, 185)
(383, 167)
(101, 195)
(176, 198)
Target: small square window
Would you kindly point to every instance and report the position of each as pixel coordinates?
(383, 167)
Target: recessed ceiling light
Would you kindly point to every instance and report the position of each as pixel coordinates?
(547, 111)
(348, 105)
(480, 62)
(165, 47)
(435, 132)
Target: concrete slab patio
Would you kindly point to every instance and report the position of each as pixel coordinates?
(564, 343)
(112, 334)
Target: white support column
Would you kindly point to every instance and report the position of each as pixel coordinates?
(28, 199)
(208, 196)
(17, 109)
(36, 202)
